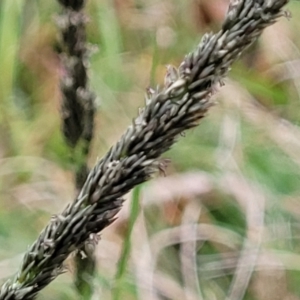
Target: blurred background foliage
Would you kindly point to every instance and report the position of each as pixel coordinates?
(225, 220)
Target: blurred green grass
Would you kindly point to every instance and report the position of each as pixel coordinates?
(250, 138)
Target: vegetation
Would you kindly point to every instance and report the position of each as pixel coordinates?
(224, 221)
